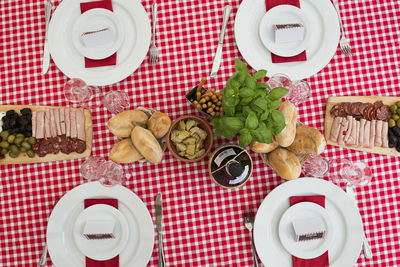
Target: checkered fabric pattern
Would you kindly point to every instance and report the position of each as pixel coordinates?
(203, 223)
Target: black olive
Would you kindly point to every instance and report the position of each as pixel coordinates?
(398, 148)
(396, 131)
(23, 121)
(12, 123)
(26, 111)
(12, 131)
(10, 112)
(28, 117)
(28, 134)
(14, 116)
(6, 127)
(29, 127)
(392, 140)
(5, 118)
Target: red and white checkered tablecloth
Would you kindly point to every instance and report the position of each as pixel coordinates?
(203, 223)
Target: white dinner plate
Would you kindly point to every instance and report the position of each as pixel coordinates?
(323, 29)
(305, 249)
(283, 14)
(129, 56)
(345, 247)
(60, 241)
(92, 21)
(101, 249)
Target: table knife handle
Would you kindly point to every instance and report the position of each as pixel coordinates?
(366, 248)
(43, 257)
(161, 262)
(47, 13)
(227, 12)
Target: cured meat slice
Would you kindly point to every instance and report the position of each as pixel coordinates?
(378, 136)
(39, 124)
(349, 129)
(353, 134)
(346, 106)
(74, 133)
(34, 123)
(335, 129)
(361, 136)
(62, 120)
(47, 132)
(357, 141)
(355, 108)
(67, 123)
(378, 104)
(53, 130)
(372, 134)
(367, 130)
(383, 113)
(344, 125)
(80, 125)
(362, 107)
(57, 117)
(335, 111)
(385, 138)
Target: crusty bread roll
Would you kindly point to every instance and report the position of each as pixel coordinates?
(286, 136)
(159, 124)
(263, 148)
(125, 152)
(146, 144)
(285, 163)
(122, 124)
(308, 140)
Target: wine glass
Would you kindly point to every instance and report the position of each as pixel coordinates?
(316, 166)
(77, 91)
(116, 101)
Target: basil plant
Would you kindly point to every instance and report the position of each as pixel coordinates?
(250, 108)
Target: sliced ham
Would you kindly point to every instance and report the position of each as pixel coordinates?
(361, 136)
(353, 133)
(367, 130)
(344, 125)
(349, 129)
(57, 117)
(385, 138)
(40, 124)
(53, 130)
(335, 129)
(67, 123)
(62, 120)
(80, 124)
(357, 142)
(372, 134)
(378, 136)
(47, 132)
(34, 123)
(74, 133)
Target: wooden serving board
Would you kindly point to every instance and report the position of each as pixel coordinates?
(23, 158)
(333, 100)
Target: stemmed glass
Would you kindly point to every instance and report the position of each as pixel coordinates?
(298, 90)
(108, 173)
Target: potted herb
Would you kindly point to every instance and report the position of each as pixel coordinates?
(250, 108)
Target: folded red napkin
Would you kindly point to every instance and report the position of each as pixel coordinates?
(275, 58)
(322, 260)
(111, 60)
(114, 262)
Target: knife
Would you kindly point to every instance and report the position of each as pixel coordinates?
(218, 53)
(161, 262)
(46, 53)
(366, 248)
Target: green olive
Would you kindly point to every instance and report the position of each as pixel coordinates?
(32, 140)
(30, 153)
(23, 149)
(11, 138)
(18, 140)
(4, 144)
(393, 109)
(398, 123)
(398, 111)
(19, 135)
(26, 145)
(395, 117)
(13, 155)
(4, 151)
(398, 104)
(14, 149)
(26, 139)
(392, 123)
(4, 135)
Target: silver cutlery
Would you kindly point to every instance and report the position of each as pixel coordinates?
(43, 257)
(153, 57)
(46, 53)
(366, 248)
(218, 52)
(161, 262)
(249, 222)
(344, 42)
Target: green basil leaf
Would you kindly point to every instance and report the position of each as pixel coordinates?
(241, 117)
(229, 101)
(229, 91)
(229, 111)
(229, 133)
(246, 92)
(246, 110)
(260, 74)
(277, 117)
(242, 77)
(262, 85)
(261, 103)
(277, 93)
(240, 66)
(262, 134)
(251, 121)
(256, 108)
(245, 139)
(277, 129)
(218, 132)
(232, 123)
(264, 115)
(250, 82)
(245, 101)
(275, 104)
(244, 131)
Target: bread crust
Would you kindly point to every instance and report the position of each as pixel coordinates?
(122, 124)
(263, 148)
(285, 163)
(287, 135)
(308, 140)
(125, 152)
(159, 124)
(146, 144)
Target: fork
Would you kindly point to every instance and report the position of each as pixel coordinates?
(153, 58)
(248, 222)
(344, 42)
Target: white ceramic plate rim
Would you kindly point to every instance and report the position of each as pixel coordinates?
(85, 245)
(100, 76)
(277, 201)
(284, 50)
(258, 57)
(293, 246)
(72, 201)
(97, 52)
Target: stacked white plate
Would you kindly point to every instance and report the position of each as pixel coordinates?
(274, 234)
(129, 24)
(134, 240)
(255, 38)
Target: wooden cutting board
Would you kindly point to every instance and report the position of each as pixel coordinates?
(23, 158)
(333, 100)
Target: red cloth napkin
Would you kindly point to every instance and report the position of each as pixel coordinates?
(322, 260)
(275, 58)
(114, 262)
(111, 60)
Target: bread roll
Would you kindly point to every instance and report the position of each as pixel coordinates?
(146, 144)
(286, 136)
(285, 163)
(125, 152)
(159, 124)
(308, 140)
(122, 124)
(263, 148)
